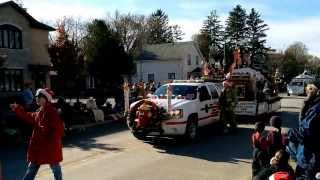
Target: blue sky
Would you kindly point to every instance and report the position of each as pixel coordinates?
(288, 20)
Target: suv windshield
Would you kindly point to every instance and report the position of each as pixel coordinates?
(183, 91)
(296, 83)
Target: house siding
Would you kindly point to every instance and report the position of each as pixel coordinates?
(161, 68)
(34, 46)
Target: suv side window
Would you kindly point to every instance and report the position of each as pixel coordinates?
(214, 92)
(204, 94)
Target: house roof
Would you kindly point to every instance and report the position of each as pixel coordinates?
(33, 22)
(166, 51)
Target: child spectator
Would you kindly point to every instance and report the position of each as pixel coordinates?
(279, 168)
(259, 143)
(275, 139)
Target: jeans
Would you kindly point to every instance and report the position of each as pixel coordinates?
(33, 169)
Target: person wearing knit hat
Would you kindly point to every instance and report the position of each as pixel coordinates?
(45, 145)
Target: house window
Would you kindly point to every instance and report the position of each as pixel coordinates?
(10, 37)
(197, 60)
(11, 80)
(150, 77)
(171, 76)
(189, 60)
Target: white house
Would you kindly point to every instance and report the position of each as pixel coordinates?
(165, 62)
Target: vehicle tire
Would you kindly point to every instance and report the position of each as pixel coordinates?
(139, 135)
(288, 94)
(191, 133)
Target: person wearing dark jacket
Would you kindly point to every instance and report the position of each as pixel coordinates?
(304, 144)
(45, 145)
(275, 138)
(278, 163)
(311, 91)
(260, 158)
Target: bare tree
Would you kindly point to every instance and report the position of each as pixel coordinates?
(131, 29)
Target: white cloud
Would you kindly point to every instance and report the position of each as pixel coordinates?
(53, 10)
(189, 27)
(282, 34)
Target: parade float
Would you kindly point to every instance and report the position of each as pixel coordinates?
(176, 109)
(256, 95)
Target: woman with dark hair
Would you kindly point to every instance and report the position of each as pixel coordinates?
(279, 167)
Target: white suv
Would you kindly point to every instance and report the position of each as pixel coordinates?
(194, 104)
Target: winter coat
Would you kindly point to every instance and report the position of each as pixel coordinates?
(304, 143)
(45, 146)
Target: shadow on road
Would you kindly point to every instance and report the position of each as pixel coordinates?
(87, 140)
(232, 148)
(13, 158)
(13, 161)
(215, 147)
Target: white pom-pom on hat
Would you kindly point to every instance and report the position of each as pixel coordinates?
(46, 92)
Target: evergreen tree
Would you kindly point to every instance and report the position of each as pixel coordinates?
(212, 29)
(105, 53)
(256, 37)
(236, 29)
(159, 30)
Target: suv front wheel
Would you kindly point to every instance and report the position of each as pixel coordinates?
(192, 130)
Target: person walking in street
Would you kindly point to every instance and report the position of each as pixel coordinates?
(228, 103)
(304, 144)
(45, 145)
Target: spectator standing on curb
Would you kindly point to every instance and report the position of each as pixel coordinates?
(27, 96)
(304, 144)
(260, 158)
(275, 138)
(45, 145)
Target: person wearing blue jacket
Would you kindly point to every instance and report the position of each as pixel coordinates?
(304, 141)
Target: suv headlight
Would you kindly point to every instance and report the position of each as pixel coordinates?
(177, 113)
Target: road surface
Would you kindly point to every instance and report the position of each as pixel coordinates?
(112, 153)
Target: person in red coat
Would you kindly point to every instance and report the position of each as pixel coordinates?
(45, 145)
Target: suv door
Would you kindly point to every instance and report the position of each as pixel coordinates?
(204, 106)
(214, 105)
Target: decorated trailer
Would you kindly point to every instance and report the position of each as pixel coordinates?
(255, 94)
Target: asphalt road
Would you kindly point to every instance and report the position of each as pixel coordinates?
(111, 153)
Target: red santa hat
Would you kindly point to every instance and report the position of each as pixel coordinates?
(45, 92)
